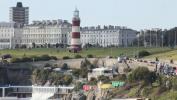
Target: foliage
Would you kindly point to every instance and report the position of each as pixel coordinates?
(142, 74)
(89, 56)
(126, 70)
(64, 67)
(143, 53)
(77, 56)
(93, 81)
(66, 57)
(78, 86)
(120, 77)
(32, 58)
(76, 72)
(41, 76)
(104, 79)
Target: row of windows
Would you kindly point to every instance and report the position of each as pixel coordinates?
(6, 30)
(4, 35)
(4, 46)
(42, 31)
(43, 41)
(44, 35)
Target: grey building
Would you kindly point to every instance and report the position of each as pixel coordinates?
(19, 14)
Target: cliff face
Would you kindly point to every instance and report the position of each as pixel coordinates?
(15, 75)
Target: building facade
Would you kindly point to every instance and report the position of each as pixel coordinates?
(46, 32)
(10, 35)
(19, 14)
(107, 36)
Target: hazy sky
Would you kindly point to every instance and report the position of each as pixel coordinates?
(136, 14)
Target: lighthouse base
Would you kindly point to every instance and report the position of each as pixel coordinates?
(74, 49)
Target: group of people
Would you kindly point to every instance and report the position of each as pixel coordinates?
(166, 69)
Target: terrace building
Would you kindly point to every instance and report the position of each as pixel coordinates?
(49, 33)
(10, 35)
(107, 36)
(46, 32)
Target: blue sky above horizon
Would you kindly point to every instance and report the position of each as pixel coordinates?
(135, 14)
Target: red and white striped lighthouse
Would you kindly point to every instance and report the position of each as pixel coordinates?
(75, 35)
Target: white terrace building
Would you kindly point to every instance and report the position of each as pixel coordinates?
(42, 33)
(107, 36)
(10, 35)
(46, 32)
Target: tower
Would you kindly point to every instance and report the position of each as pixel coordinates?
(19, 14)
(75, 34)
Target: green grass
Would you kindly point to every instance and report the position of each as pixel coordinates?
(166, 55)
(97, 52)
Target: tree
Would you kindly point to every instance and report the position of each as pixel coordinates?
(33, 45)
(104, 79)
(142, 74)
(65, 66)
(67, 79)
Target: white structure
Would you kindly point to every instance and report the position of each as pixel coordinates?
(43, 33)
(46, 32)
(38, 92)
(95, 73)
(10, 35)
(107, 36)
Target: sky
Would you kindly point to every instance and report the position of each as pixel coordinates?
(135, 14)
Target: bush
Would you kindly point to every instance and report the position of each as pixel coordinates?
(54, 58)
(104, 79)
(45, 57)
(67, 79)
(143, 53)
(161, 89)
(146, 91)
(126, 70)
(26, 59)
(121, 77)
(77, 56)
(47, 65)
(15, 60)
(142, 74)
(65, 67)
(66, 57)
(89, 56)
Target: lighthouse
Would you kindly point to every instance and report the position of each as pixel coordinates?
(75, 34)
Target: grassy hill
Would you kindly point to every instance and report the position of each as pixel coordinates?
(172, 54)
(97, 52)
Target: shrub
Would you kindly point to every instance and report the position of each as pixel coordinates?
(66, 57)
(47, 65)
(76, 72)
(161, 89)
(67, 79)
(142, 74)
(143, 53)
(77, 56)
(26, 59)
(65, 67)
(121, 77)
(89, 56)
(126, 70)
(146, 91)
(15, 60)
(54, 58)
(45, 57)
(104, 79)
